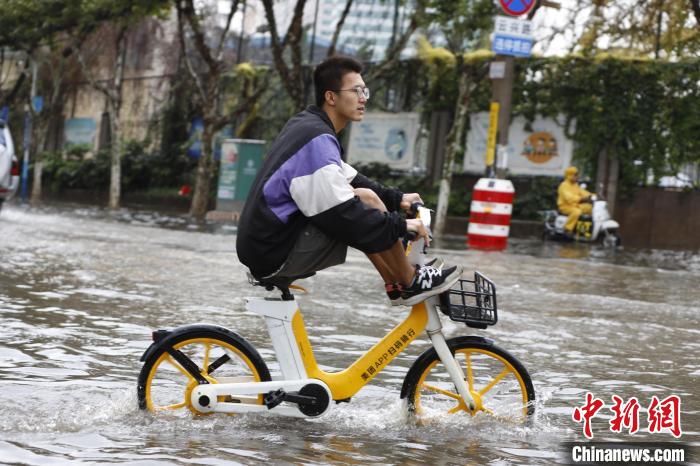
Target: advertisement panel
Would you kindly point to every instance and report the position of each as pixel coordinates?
(241, 159)
(80, 132)
(388, 138)
(542, 150)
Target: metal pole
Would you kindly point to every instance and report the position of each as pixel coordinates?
(659, 22)
(239, 52)
(503, 93)
(24, 179)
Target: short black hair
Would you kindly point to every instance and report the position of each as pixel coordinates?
(328, 75)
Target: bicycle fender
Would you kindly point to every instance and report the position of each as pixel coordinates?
(431, 353)
(170, 336)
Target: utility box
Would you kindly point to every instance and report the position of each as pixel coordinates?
(240, 161)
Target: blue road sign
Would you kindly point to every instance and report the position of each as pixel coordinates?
(504, 44)
(38, 103)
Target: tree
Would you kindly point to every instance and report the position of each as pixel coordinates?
(121, 15)
(291, 76)
(57, 61)
(339, 28)
(695, 5)
(655, 28)
(464, 23)
(49, 31)
(208, 82)
(419, 18)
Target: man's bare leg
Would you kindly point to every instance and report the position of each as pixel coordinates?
(395, 265)
(392, 264)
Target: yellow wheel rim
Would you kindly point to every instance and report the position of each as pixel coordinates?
(495, 385)
(169, 385)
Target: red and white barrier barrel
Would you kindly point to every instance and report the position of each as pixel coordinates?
(491, 208)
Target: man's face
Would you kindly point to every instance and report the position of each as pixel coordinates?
(348, 102)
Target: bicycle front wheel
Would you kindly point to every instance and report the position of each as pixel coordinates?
(499, 384)
(219, 356)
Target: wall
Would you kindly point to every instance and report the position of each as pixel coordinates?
(151, 60)
(657, 218)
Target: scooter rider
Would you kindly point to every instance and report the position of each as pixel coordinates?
(573, 200)
(307, 205)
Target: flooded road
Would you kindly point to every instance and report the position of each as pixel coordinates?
(81, 290)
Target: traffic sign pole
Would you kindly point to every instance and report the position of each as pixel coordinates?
(502, 93)
(512, 37)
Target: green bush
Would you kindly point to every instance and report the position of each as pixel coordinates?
(140, 169)
(143, 170)
(74, 171)
(541, 195)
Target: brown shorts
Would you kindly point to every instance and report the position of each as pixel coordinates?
(313, 251)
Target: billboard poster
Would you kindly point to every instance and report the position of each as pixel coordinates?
(388, 138)
(80, 132)
(542, 150)
(240, 161)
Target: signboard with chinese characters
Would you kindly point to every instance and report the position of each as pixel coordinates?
(543, 149)
(388, 138)
(512, 37)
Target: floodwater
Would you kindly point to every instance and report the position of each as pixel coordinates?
(81, 289)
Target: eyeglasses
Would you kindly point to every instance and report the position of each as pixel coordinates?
(361, 92)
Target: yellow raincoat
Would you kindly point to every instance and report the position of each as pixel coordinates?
(569, 199)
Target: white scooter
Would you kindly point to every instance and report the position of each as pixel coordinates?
(598, 226)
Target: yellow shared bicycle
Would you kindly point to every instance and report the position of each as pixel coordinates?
(210, 369)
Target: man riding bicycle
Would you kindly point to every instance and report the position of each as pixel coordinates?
(307, 205)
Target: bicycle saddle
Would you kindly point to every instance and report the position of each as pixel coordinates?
(281, 283)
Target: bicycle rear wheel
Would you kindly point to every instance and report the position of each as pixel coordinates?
(219, 356)
(498, 382)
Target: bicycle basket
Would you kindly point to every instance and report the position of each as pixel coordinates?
(471, 301)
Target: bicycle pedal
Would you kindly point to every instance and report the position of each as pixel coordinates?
(273, 399)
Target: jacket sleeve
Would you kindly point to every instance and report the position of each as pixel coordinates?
(391, 197)
(361, 227)
(327, 199)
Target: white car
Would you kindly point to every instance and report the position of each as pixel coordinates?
(9, 165)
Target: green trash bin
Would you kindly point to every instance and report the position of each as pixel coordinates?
(240, 161)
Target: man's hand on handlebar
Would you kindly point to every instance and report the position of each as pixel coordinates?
(416, 225)
(410, 199)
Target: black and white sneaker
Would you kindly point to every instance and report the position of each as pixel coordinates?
(393, 292)
(429, 281)
(436, 262)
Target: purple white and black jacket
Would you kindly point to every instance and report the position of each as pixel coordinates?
(303, 179)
